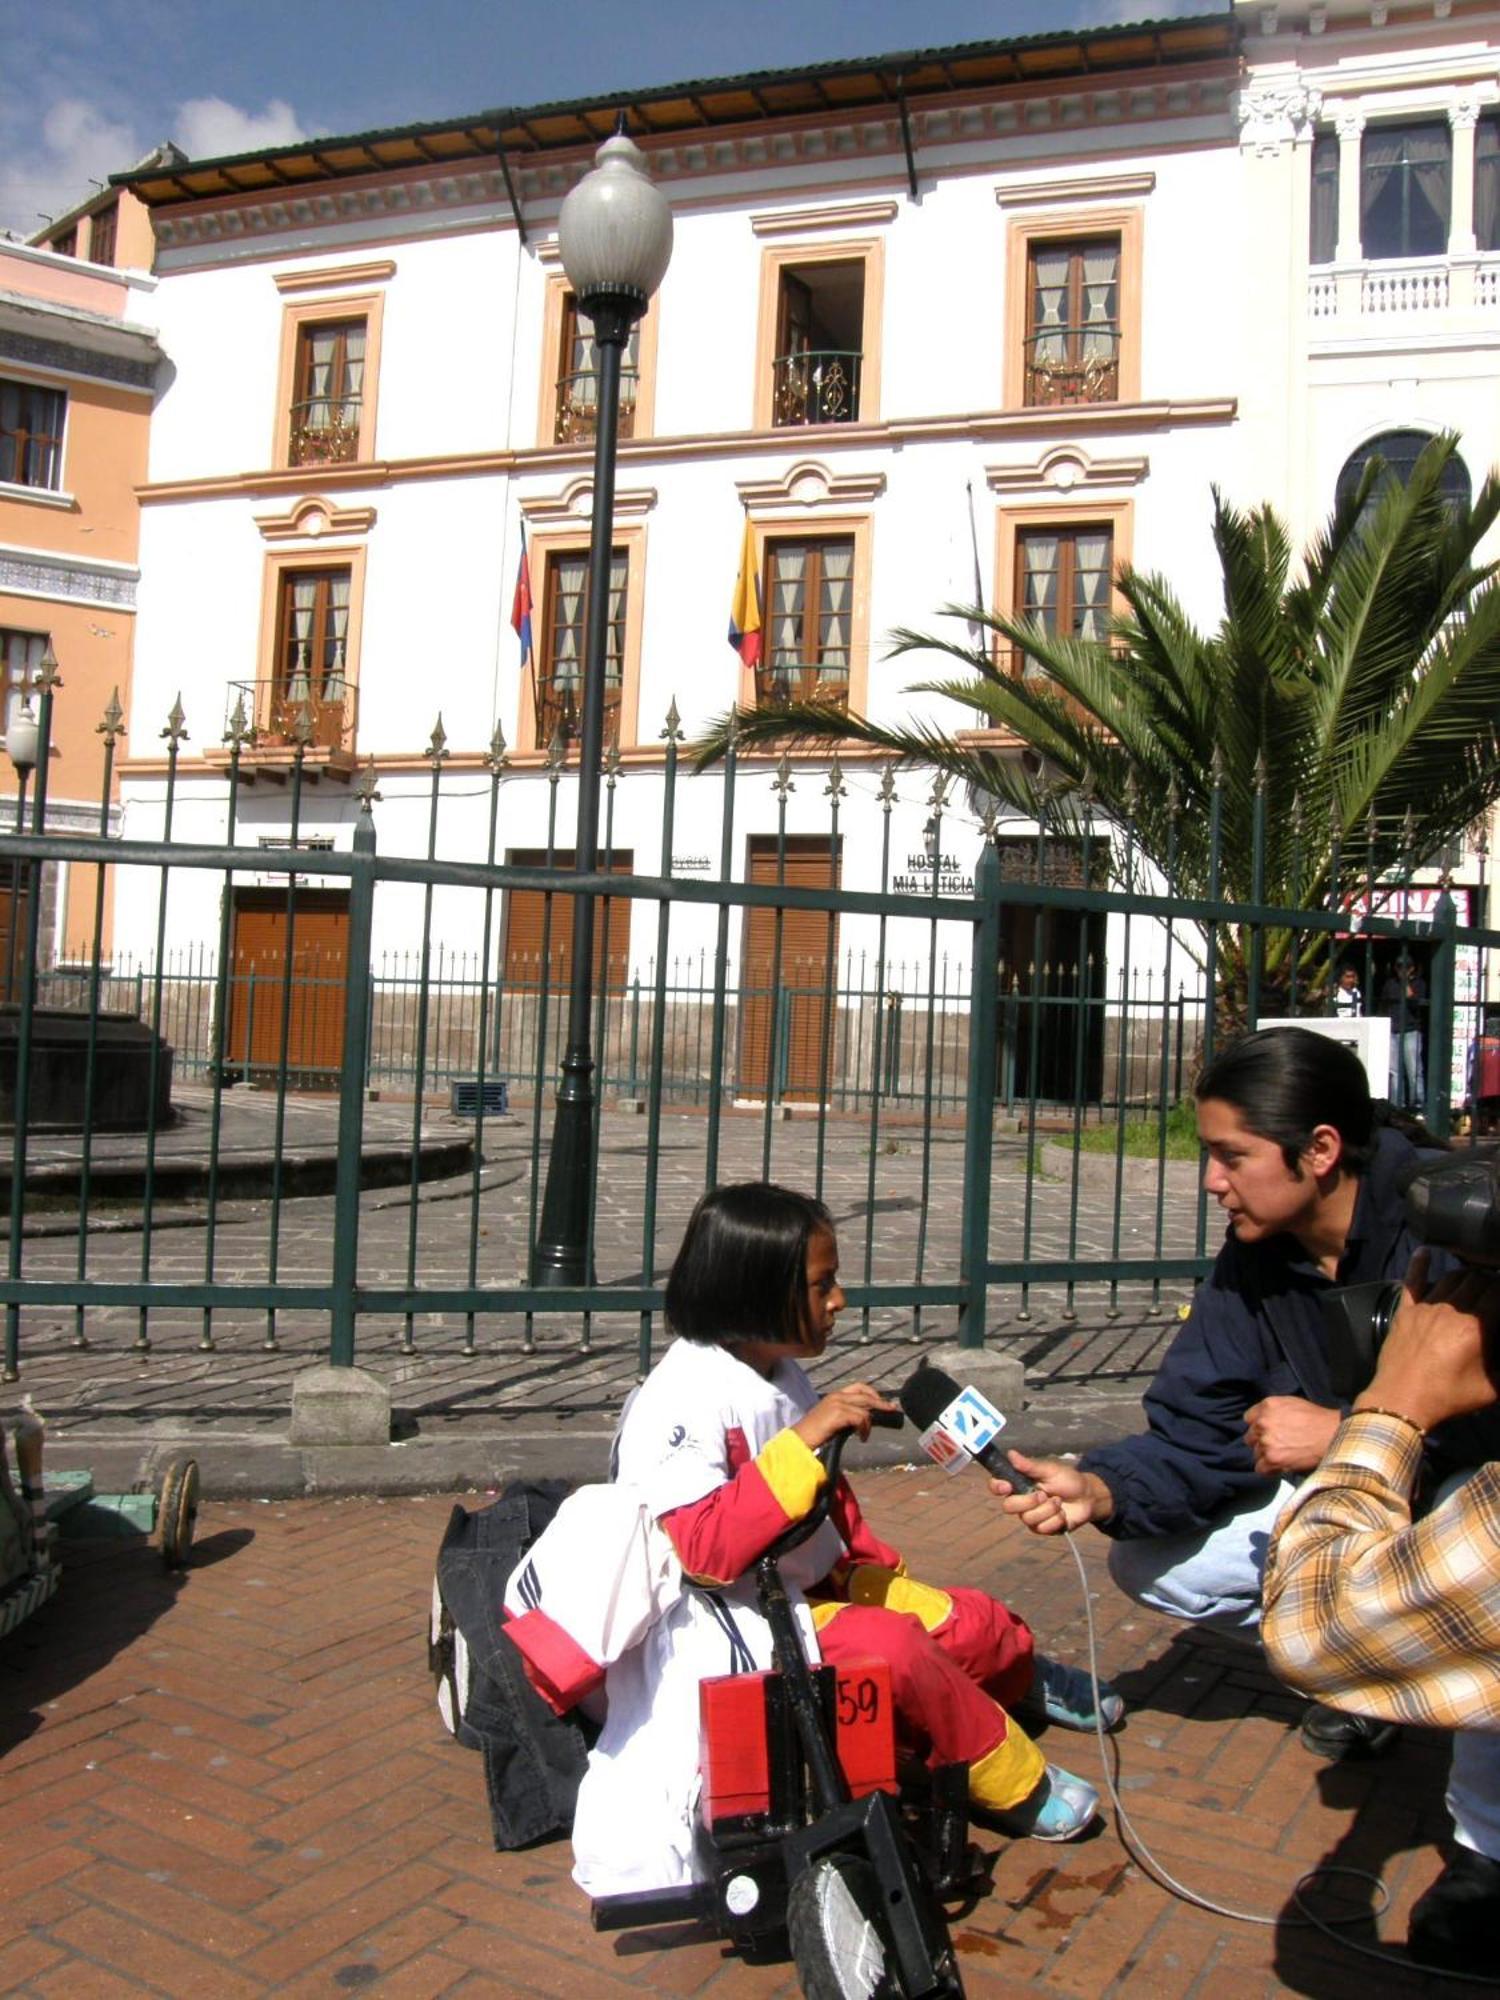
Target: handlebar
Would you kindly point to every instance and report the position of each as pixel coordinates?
(830, 1452)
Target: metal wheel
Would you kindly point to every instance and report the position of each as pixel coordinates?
(177, 1511)
(837, 1943)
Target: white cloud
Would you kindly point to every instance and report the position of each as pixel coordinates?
(1129, 13)
(78, 143)
(48, 171)
(208, 127)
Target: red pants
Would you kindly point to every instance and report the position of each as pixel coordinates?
(958, 1660)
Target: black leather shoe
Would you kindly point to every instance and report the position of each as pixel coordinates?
(1330, 1733)
(1456, 1925)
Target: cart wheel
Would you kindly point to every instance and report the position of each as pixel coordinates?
(177, 1511)
(832, 1924)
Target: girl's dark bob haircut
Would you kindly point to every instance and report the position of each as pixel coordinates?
(1284, 1082)
(741, 1273)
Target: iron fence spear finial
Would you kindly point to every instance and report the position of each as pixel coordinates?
(112, 728)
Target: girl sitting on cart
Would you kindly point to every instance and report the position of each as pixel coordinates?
(720, 1441)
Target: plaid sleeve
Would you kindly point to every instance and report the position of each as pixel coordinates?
(1375, 1612)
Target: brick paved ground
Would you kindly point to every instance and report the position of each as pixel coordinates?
(235, 1784)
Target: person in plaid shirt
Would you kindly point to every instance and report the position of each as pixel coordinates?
(1374, 1611)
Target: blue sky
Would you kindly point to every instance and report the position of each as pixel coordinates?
(88, 86)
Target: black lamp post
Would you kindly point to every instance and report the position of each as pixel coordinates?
(615, 235)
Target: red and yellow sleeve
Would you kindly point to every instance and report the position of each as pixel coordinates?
(863, 1544)
(718, 1537)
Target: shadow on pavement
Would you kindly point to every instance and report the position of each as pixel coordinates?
(111, 1593)
(1385, 1796)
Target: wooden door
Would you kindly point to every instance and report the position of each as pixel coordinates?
(540, 956)
(261, 1002)
(784, 1017)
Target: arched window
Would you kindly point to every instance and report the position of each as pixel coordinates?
(1400, 450)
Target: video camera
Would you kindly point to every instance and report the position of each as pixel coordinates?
(1452, 1204)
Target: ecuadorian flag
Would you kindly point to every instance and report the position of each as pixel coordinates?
(744, 611)
(520, 609)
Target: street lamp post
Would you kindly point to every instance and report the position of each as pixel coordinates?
(22, 741)
(615, 236)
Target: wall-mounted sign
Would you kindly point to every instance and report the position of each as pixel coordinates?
(920, 870)
(691, 864)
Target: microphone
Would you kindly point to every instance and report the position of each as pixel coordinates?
(957, 1424)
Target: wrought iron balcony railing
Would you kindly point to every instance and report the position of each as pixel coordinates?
(1094, 377)
(325, 432)
(578, 405)
(781, 682)
(279, 712)
(559, 712)
(818, 387)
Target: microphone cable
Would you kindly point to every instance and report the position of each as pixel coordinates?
(1305, 1917)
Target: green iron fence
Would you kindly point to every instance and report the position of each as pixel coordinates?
(942, 1080)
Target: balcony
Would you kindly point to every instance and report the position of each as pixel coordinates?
(778, 683)
(818, 386)
(1052, 380)
(280, 716)
(1404, 295)
(559, 712)
(578, 405)
(324, 432)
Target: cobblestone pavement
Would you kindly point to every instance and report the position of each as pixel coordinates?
(234, 1783)
(466, 1416)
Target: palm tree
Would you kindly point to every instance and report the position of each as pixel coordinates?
(1337, 724)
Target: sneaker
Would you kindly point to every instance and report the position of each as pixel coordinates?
(1456, 1923)
(1061, 1808)
(1329, 1732)
(1065, 1695)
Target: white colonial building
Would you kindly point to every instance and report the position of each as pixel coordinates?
(1002, 312)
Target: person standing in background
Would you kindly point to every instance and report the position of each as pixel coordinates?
(1403, 1000)
(1348, 1000)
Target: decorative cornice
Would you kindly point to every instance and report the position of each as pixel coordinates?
(1078, 187)
(834, 215)
(968, 426)
(830, 143)
(809, 483)
(574, 505)
(1067, 467)
(333, 277)
(36, 573)
(101, 360)
(313, 518)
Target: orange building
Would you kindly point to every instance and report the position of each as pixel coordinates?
(78, 380)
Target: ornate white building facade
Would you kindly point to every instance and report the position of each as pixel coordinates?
(992, 319)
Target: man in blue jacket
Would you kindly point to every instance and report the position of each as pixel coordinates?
(1246, 1401)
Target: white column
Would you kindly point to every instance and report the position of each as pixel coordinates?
(1348, 256)
(1462, 118)
(1350, 127)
